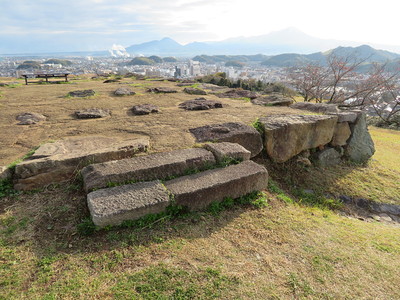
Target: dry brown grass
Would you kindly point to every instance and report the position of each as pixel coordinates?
(283, 251)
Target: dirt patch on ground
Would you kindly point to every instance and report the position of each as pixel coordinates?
(168, 129)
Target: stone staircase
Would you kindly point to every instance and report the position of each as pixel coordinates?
(112, 206)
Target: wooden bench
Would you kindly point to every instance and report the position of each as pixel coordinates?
(45, 76)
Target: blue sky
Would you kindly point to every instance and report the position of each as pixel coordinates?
(29, 26)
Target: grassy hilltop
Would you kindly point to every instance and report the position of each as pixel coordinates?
(299, 245)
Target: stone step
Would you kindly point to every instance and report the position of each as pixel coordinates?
(149, 167)
(59, 161)
(114, 205)
(197, 191)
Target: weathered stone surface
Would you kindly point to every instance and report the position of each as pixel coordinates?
(185, 83)
(346, 116)
(238, 93)
(327, 157)
(144, 109)
(5, 173)
(316, 107)
(273, 100)
(92, 113)
(29, 118)
(164, 90)
(148, 167)
(124, 92)
(59, 161)
(239, 133)
(200, 104)
(341, 134)
(287, 135)
(111, 80)
(199, 190)
(194, 91)
(127, 202)
(226, 150)
(360, 147)
(82, 93)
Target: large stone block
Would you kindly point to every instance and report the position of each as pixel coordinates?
(327, 157)
(59, 161)
(341, 134)
(239, 133)
(360, 146)
(127, 202)
(199, 190)
(226, 150)
(148, 167)
(287, 135)
(316, 107)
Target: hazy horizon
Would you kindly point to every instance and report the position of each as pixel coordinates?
(93, 25)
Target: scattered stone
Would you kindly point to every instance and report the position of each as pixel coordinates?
(200, 104)
(238, 93)
(92, 113)
(385, 218)
(375, 217)
(144, 109)
(341, 134)
(213, 87)
(111, 80)
(316, 107)
(5, 173)
(226, 150)
(199, 190)
(59, 161)
(194, 91)
(124, 92)
(304, 161)
(185, 84)
(239, 133)
(327, 157)
(82, 94)
(360, 146)
(2, 84)
(275, 99)
(285, 136)
(114, 205)
(164, 90)
(30, 118)
(148, 167)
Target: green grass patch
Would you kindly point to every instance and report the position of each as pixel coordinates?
(167, 282)
(258, 126)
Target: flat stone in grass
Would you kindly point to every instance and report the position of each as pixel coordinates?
(285, 136)
(114, 205)
(200, 104)
(92, 113)
(199, 190)
(164, 90)
(273, 100)
(194, 91)
(226, 150)
(238, 93)
(149, 167)
(144, 109)
(82, 93)
(59, 161)
(30, 118)
(124, 92)
(239, 133)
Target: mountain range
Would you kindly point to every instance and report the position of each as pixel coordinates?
(289, 40)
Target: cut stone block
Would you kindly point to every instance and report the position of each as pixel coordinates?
(149, 167)
(56, 162)
(346, 116)
(287, 135)
(316, 107)
(242, 134)
(199, 190)
(226, 150)
(341, 134)
(127, 202)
